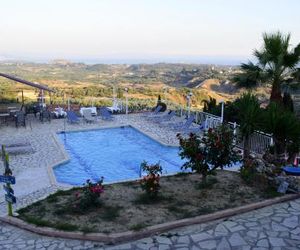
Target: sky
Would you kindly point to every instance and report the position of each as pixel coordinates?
(111, 31)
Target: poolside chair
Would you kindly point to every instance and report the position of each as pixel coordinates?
(164, 118)
(45, 115)
(88, 117)
(199, 129)
(20, 119)
(105, 114)
(115, 107)
(72, 117)
(185, 125)
(155, 112)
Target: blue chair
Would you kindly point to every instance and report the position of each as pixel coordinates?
(72, 117)
(185, 125)
(164, 118)
(198, 129)
(155, 112)
(105, 114)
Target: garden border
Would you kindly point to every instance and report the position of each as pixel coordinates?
(148, 231)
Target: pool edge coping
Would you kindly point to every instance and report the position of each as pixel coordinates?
(50, 168)
(127, 236)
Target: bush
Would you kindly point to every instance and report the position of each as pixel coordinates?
(150, 182)
(215, 149)
(89, 197)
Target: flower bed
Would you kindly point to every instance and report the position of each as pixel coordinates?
(125, 206)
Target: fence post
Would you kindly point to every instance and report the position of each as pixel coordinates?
(234, 133)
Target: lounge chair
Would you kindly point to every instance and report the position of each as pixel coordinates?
(115, 107)
(92, 109)
(20, 119)
(45, 115)
(185, 125)
(164, 118)
(199, 129)
(105, 114)
(87, 115)
(72, 117)
(155, 112)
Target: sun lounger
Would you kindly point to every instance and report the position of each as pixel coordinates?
(72, 117)
(19, 150)
(115, 107)
(17, 147)
(199, 129)
(92, 109)
(105, 114)
(164, 118)
(184, 125)
(87, 116)
(155, 112)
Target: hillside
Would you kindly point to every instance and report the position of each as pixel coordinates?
(94, 83)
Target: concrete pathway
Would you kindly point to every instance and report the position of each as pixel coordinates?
(274, 227)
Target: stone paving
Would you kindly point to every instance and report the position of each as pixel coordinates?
(275, 227)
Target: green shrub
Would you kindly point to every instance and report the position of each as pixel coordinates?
(150, 182)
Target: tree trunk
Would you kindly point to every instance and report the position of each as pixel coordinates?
(246, 147)
(276, 93)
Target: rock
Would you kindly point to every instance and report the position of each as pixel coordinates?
(263, 243)
(236, 240)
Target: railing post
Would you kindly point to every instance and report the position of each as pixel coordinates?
(234, 133)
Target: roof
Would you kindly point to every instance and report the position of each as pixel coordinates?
(35, 85)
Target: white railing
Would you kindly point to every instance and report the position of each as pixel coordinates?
(259, 141)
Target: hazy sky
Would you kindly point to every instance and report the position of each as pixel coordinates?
(141, 29)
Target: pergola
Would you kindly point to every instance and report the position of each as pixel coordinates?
(39, 86)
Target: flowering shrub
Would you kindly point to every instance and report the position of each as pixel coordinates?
(150, 182)
(208, 152)
(90, 195)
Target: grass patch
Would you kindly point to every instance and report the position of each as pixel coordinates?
(138, 227)
(65, 226)
(45, 223)
(210, 182)
(175, 209)
(143, 199)
(37, 221)
(205, 210)
(271, 193)
(110, 213)
(87, 229)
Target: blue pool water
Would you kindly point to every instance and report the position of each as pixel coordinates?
(115, 153)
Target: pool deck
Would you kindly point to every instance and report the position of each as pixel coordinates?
(273, 227)
(36, 168)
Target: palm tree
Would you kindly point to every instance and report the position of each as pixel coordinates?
(284, 126)
(249, 117)
(275, 61)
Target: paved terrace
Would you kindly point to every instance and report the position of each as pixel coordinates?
(275, 227)
(33, 168)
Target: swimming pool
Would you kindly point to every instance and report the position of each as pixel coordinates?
(114, 153)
